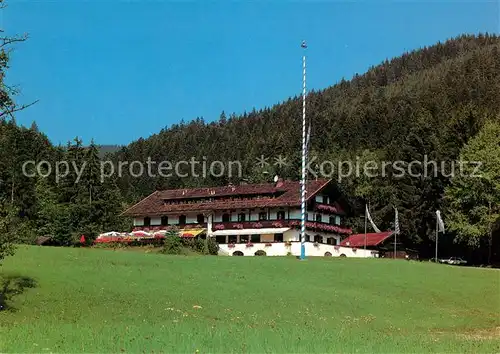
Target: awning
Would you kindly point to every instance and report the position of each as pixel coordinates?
(250, 231)
(190, 232)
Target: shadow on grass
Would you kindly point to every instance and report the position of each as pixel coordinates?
(12, 285)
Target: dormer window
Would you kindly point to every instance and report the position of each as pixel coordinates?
(164, 220)
(318, 218)
(280, 215)
(263, 215)
(226, 217)
(241, 217)
(147, 221)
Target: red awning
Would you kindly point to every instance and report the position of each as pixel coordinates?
(372, 239)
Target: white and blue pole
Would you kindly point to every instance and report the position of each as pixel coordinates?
(303, 172)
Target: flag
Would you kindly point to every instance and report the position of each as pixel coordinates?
(440, 221)
(396, 222)
(303, 45)
(371, 221)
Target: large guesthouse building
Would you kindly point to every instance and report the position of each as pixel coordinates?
(250, 219)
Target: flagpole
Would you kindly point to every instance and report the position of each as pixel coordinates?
(303, 170)
(437, 235)
(366, 208)
(395, 238)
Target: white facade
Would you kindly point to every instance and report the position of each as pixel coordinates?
(252, 215)
(320, 243)
(284, 249)
(291, 246)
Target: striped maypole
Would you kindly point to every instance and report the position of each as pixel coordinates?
(303, 174)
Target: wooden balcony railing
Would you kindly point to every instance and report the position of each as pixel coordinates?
(294, 223)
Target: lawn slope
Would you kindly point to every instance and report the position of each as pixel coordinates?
(88, 300)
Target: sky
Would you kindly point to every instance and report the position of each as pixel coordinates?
(115, 71)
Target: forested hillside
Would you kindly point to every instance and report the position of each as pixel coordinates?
(429, 102)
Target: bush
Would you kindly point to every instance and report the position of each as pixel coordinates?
(212, 246)
(172, 245)
(199, 246)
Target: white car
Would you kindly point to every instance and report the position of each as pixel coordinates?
(453, 261)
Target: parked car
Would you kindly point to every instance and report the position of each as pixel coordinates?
(453, 261)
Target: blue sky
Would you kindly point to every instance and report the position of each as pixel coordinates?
(115, 71)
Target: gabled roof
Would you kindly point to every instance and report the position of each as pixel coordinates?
(372, 239)
(286, 193)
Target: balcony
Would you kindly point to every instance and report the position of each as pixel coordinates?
(326, 208)
(233, 225)
(293, 223)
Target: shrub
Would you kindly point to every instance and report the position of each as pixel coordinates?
(172, 245)
(212, 246)
(199, 245)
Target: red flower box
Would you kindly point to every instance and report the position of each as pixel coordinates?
(325, 207)
(238, 226)
(277, 224)
(231, 245)
(219, 227)
(257, 225)
(336, 247)
(269, 244)
(249, 244)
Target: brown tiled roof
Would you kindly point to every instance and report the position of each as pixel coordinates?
(271, 195)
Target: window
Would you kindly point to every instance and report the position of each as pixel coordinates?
(255, 238)
(226, 217)
(232, 239)
(241, 217)
(280, 215)
(182, 219)
(325, 199)
(164, 220)
(278, 237)
(332, 220)
(308, 238)
(147, 221)
(244, 239)
(318, 218)
(318, 239)
(200, 218)
(263, 215)
(307, 216)
(337, 220)
(331, 241)
(220, 239)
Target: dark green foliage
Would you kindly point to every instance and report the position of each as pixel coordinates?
(8, 234)
(173, 245)
(212, 246)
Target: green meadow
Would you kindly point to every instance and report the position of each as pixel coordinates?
(95, 300)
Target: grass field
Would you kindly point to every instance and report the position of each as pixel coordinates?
(88, 300)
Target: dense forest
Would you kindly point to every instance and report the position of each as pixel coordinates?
(437, 102)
